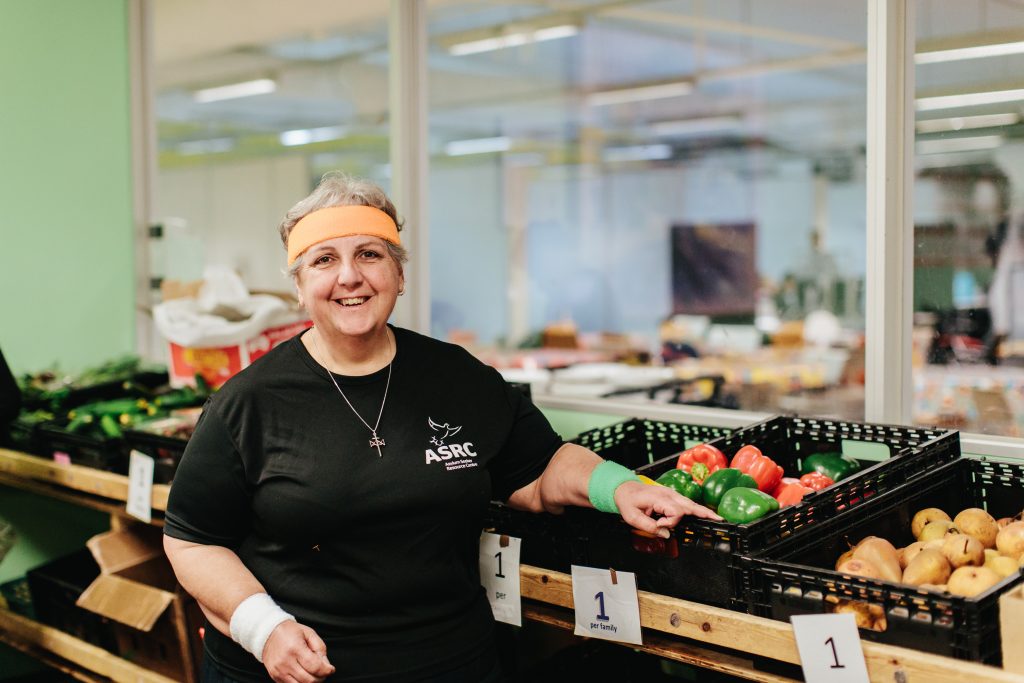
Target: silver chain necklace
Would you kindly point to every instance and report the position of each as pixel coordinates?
(375, 441)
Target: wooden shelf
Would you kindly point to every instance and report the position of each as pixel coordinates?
(29, 471)
(77, 658)
(689, 632)
(693, 625)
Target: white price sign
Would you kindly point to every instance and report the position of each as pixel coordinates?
(829, 646)
(499, 574)
(140, 486)
(606, 604)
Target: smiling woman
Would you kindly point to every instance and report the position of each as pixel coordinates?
(279, 522)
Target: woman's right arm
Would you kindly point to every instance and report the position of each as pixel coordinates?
(214, 576)
(217, 579)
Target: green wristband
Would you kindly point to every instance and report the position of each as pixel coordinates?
(605, 478)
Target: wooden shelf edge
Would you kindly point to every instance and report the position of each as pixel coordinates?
(76, 477)
(30, 637)
(764, 637)
(665, 647)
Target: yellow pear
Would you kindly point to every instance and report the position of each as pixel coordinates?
(908, 554)
(978, 524)
(848, 555)
(1002, 565)
(934, 587)
(859, 568)
(1010, 540)
(971, 581)
(880, 553)
(923, 517)
(962, 550)
(929, 566)
(936, 530)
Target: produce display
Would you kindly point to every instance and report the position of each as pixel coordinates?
(51, 390)
(752, 485)
(97, 417)
(108, 419)
(964, 555)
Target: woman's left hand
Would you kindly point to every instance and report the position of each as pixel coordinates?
(637, 502)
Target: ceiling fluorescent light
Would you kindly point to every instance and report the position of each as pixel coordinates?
(959, 144)
(973, 52)
(640, 93)
(967, 122)
(211, 146)
(515, 39)
(305, 136)
(260, 86)
(708, 124)
(637, 153)
(555, 32)
(458, 148)
(969, 99)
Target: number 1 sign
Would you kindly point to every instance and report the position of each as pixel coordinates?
(829, 646)
(606, 604)
(499, 574)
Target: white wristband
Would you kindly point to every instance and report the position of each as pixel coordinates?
(254, 620)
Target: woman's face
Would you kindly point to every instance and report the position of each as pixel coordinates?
(349, 285)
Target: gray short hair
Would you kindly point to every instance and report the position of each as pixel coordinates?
(340, 189)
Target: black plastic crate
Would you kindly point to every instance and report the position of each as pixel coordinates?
(637, 442)
(18, 596)
(701, 561)
(103, 454)
(559, 541)
(165, 450)
(25, 437)
(548, 541)
(796, 576)
(56, 586)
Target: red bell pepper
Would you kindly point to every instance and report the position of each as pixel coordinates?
(791, 494)
(782, 484)
(816, 481)
(705, 453)
(762, 468)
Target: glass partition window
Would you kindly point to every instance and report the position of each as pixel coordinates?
(249, 115)
(680, 181)
(969, 198)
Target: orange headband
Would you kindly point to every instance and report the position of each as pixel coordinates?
(340, 221)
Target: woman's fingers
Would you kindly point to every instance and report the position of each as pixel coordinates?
(637, 502)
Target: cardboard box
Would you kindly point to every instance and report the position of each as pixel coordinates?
(218, 364)
(156, 622)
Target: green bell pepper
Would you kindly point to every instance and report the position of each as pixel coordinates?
(682, 482)
(740, 505)
(835, 466)
(720, 481)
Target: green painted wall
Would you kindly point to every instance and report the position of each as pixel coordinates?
(569, 423)
(66, 260)
(66, 264)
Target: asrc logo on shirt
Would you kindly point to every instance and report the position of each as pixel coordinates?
(455, 456)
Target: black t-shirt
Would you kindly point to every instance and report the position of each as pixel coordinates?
(379, 555)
